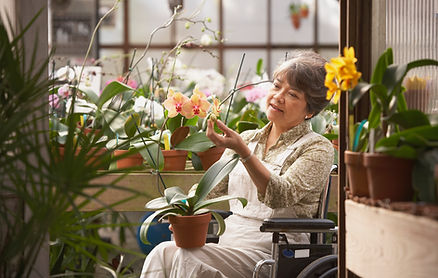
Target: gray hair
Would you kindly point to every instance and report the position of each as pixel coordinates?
(305, 71)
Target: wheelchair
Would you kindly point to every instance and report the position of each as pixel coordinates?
(316, 259)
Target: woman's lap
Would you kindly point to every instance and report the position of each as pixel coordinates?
(212, 260)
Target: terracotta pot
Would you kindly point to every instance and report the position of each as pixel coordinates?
(389, 177)
(130, 161)
(190, 231)
(92, 159)
(174, 160)
(335, 143)
(304, 12)
(357, 176)
(210, 156)
(296, 20)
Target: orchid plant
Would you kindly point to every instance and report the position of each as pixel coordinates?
(393, 128)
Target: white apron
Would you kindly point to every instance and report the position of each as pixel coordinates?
(243, 227)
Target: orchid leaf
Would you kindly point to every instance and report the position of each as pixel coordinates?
(157, 203)
(410, 118)
(197, 142)
(209, 202)
(131, 124)
(374, 116)
(149, 153)
(423, 176)
(174, 123)
(112, 89)
(148, 221)
(179, 134)
(384, 61)
(214, 175)
(220, 222)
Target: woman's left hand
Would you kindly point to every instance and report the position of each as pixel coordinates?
(230, 139)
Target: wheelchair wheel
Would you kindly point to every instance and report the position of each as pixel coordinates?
(326, 267)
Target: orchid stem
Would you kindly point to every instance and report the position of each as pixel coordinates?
(234, 88)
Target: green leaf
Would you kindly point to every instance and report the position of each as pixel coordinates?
(404, 151)
(410, 118)
(174, 194)
(209, 202)
(174, 123)
(384, 61)
(220, 222)
(245, 125)
(214, 175)
(148, 221)
(191, 122)
(197, 142)
(259, 69)
(374, 116)
(111, 90)
(149, 153)
(131, 124)
(157, 203)
(423, 176)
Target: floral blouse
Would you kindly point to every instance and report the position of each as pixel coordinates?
(302, 175)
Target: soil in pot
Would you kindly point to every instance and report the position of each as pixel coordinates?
(389, 177)
(174, 160)
(190, 231)
(210, 156)
(357, 176)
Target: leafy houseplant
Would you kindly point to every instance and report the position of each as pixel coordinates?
(400, 133)
(176, 205)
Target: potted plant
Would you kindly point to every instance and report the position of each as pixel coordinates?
(188, 213)
(295, 17)
(397, 136)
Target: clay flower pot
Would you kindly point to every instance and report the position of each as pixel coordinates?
(296, 20)
(130, 161)
(99, 153)
(210, 156)
(190, 231)
(174, 160)
(357, 176)
(389, 177)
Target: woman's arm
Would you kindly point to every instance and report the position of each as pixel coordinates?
(259, 174)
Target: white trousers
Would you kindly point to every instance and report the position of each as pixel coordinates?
(209, 261)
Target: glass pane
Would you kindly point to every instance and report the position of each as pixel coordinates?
(232, 61)
(329, 53)
(111, 30)
(293, 25)
(202, 10)
(278, 56)
(245, 21)
(413, 34)
(328, 21)
(145, 16)
(112, 64)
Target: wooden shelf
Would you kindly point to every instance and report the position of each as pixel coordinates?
(141, 182)
(385, 243)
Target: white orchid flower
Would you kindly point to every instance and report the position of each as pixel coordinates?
(145, 105)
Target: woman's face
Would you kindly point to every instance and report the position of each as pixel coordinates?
(286, 106)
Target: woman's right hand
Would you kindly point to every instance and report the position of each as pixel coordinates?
(230, 139)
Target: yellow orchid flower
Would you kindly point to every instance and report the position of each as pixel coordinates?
(216, 109)
(342, 74)
(175, 102)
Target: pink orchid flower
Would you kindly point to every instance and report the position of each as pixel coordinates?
(175, 102)
(197, 106)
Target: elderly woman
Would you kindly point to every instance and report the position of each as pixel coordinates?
(282, 171)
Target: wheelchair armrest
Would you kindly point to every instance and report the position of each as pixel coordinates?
(297, 225)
